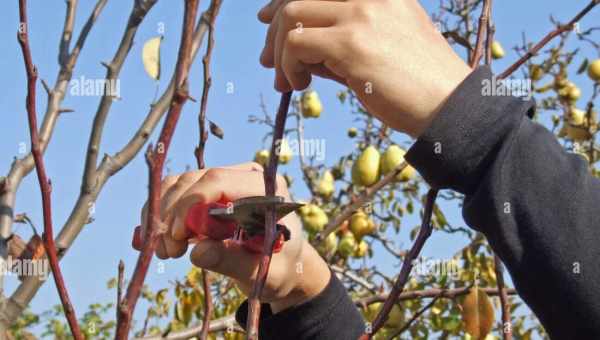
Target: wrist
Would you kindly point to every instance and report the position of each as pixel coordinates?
(311, 275)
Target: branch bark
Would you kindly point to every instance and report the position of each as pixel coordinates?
(156, 158)
(270, 219)
(44, 182)
(556, 32)
(481, 29)
(407, 265)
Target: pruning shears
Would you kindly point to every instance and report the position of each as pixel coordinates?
(242, 220)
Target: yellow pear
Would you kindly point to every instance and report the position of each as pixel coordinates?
(285, 152)
(311, 104)
(361, 225)
(362, 249)
(497, 50)
(326, 185)
(365, 170)
(372, 311)
(352, 132)
(570, 92)
(347, 245)
(536, 72)
(395, 318)
(262, 157)
(576, 127)
(314, 218)
(392, 157)
(594, 70)
(330, 245)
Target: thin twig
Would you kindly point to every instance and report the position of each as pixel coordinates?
(483, 26)
(210, 17)
(270, 219)
(120, 282)
(556, 32)
(407, 325)
(407, 265)
(44, 182)
(505, 304)
(156, 159)
(208, 305)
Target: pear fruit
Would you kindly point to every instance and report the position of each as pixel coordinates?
(313, 218)
(594, 70)
(497, 50)
(536, 72)
(395, 318)
(391, 158)
(576, 127)
(352, 132)
(326, 185)
(361, 225)
(570, 92)
(285, 152)
(311, 104)
(262, 157)
(330, 245)
(365, 170)
(347, 245)
(362, 249)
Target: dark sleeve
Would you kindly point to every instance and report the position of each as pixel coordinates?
(537, 204)
(330, 315)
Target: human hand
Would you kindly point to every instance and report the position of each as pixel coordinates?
(387, 51)
(288, 282)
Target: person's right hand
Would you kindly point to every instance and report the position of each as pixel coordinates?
(387, 51)
(297, 273)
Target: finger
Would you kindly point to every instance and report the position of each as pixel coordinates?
(267, 13)
(225, 257)
(186, 180)
(166, 185)
(175, 248)
(221, 183)
(311, 46)
(320, 70)
(300, 15)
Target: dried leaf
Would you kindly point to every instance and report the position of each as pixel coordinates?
(151, 57)
(583, 67)
(216, 130)
(477, 313)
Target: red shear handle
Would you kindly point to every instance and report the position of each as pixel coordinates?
(200, 223)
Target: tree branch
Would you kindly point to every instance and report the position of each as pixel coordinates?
(407, 265)
(209, 17)
(44, 182)
(270, 219)
(156, 159)
(556, 32)
(483, 26)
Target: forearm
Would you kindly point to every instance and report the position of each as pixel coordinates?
(536, 203)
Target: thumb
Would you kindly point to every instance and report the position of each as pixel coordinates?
(226, 257)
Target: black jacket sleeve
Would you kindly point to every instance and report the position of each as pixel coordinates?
(330, 315)
(537, 204)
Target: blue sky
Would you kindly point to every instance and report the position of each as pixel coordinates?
(93, 258)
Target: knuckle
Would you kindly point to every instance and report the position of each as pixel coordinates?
(214, 174)
(281, 183)
(254, 166)
(170, 180)
(290, 11)
(187, 177)
(365, 11)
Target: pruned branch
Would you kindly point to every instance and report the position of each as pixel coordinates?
(44, 182)
(407, 265)
(156, 159)
(270, 174)
(545, 40)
